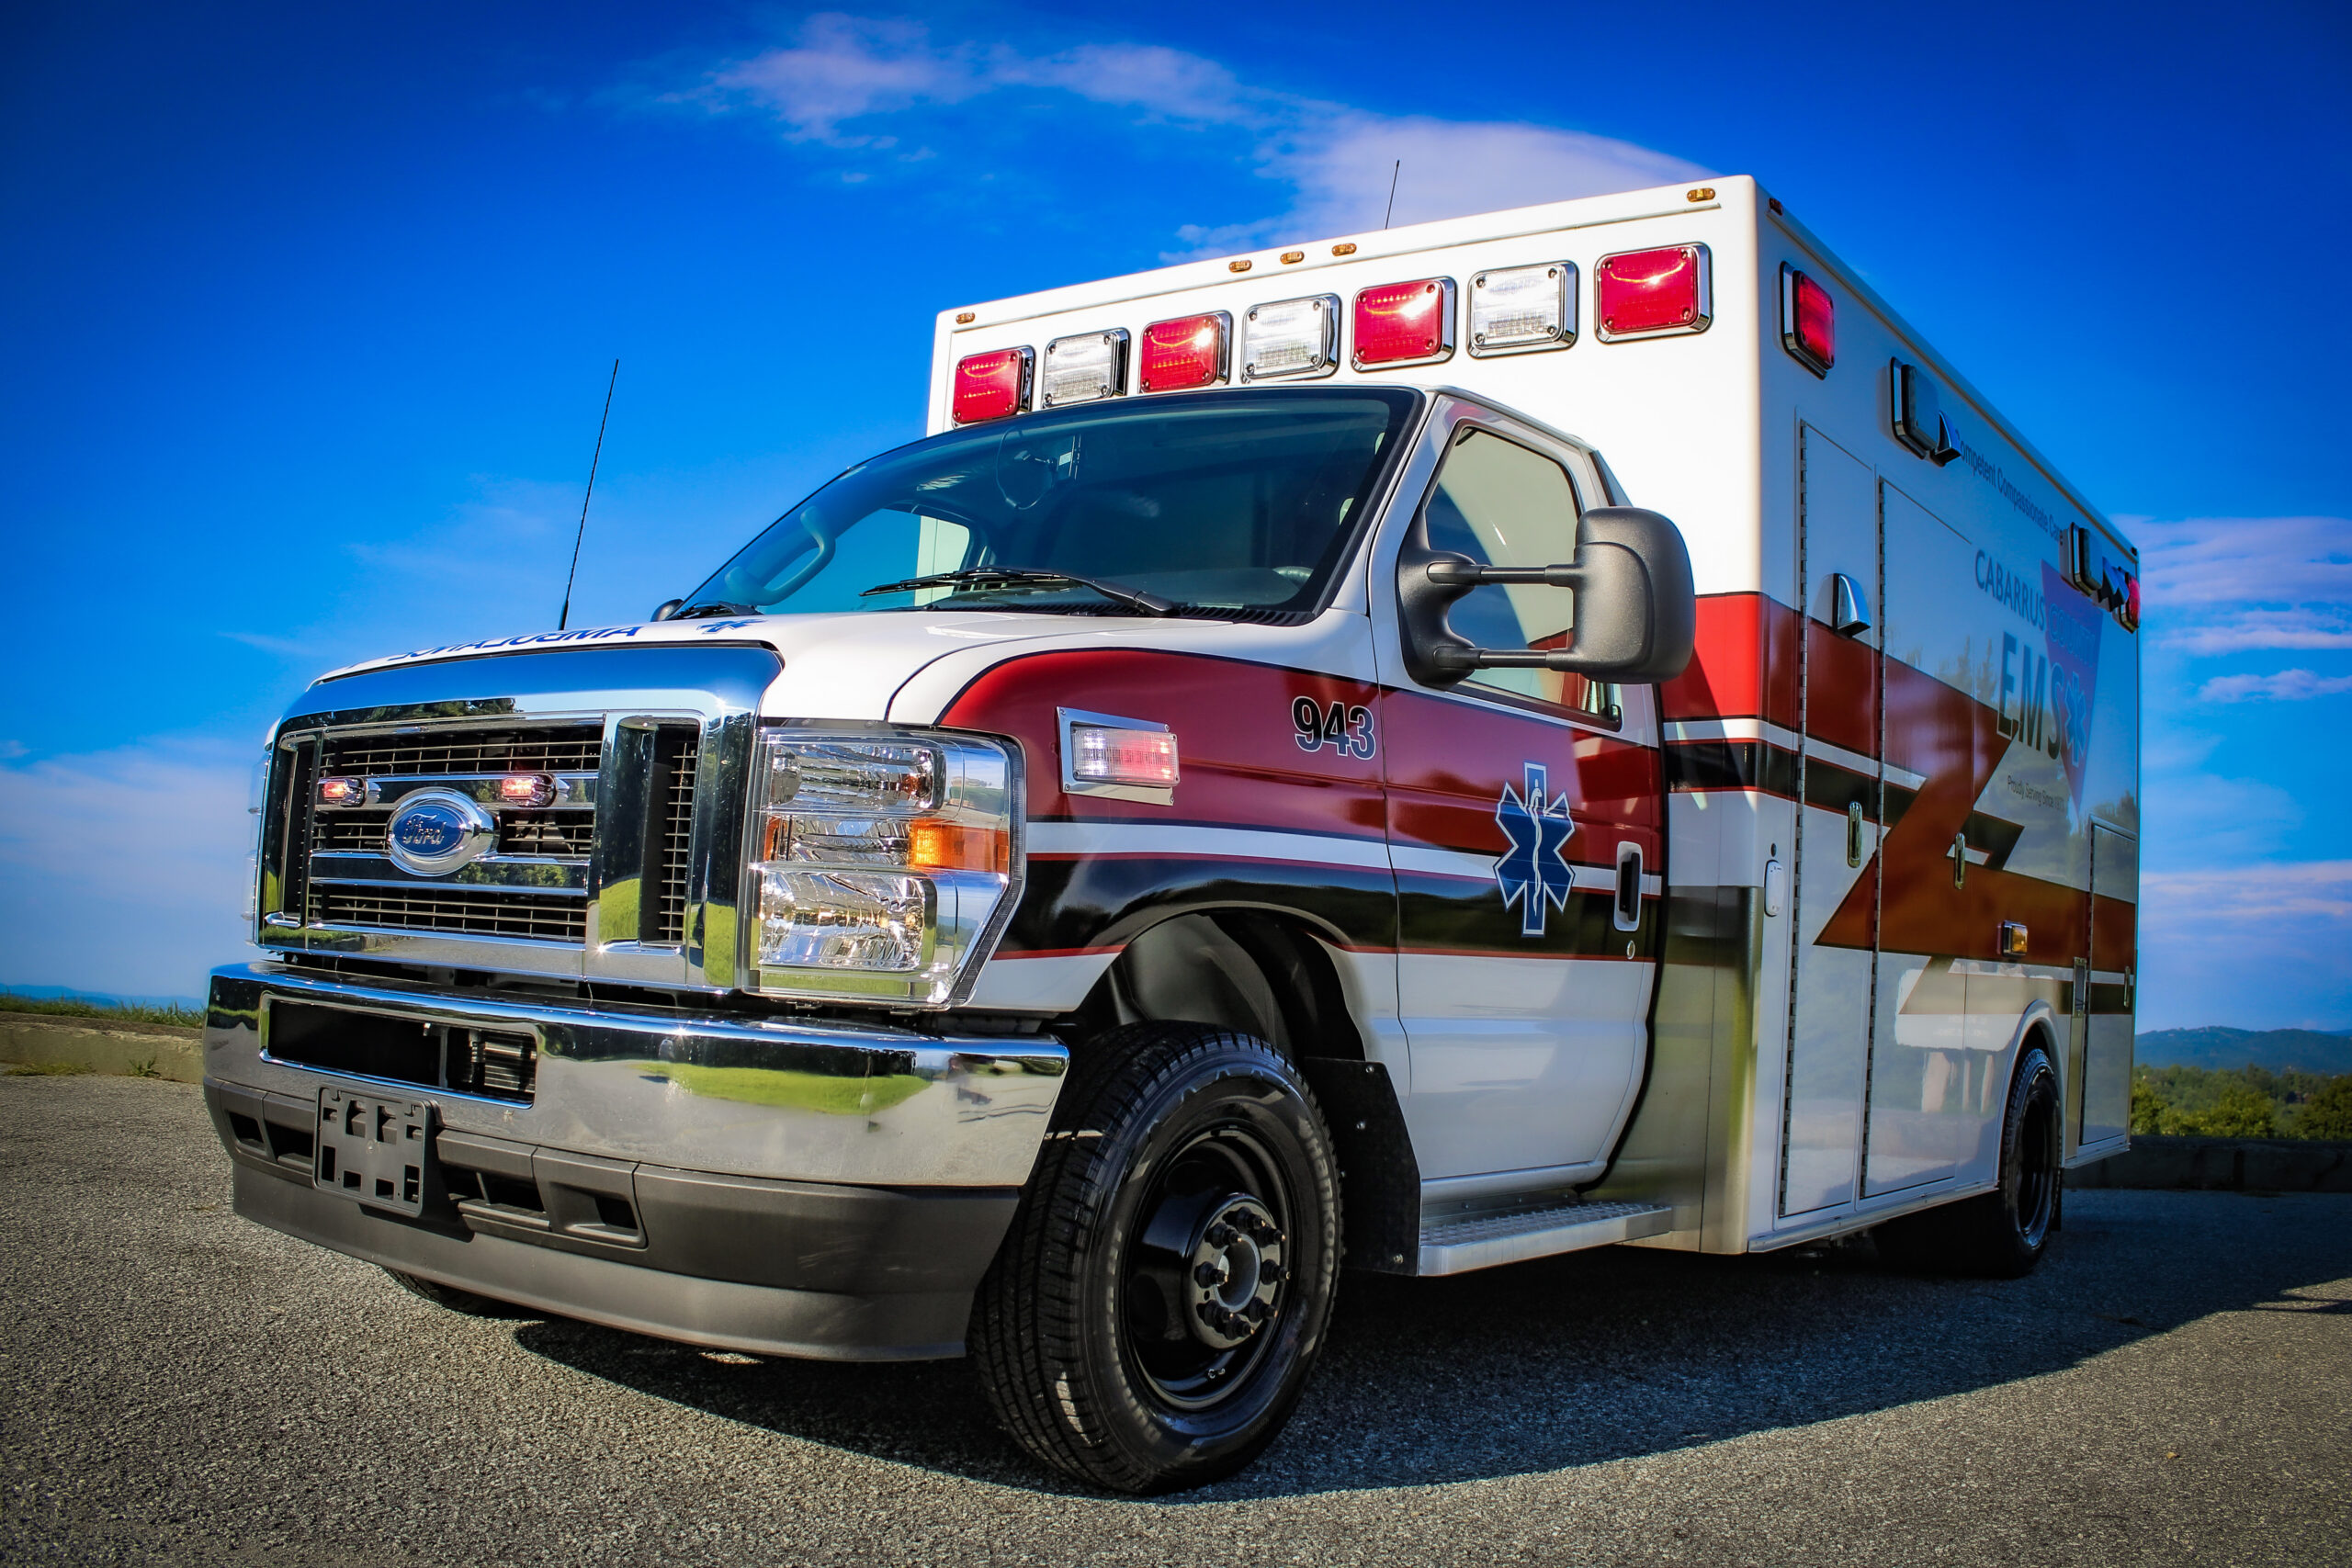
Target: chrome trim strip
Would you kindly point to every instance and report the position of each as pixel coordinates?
(557, 877)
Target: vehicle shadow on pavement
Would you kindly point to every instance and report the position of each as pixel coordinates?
(1590, 1357)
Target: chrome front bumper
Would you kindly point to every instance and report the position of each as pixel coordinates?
(777, 1187)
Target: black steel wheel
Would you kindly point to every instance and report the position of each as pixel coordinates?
(1165, 1288)
(1999, 1235)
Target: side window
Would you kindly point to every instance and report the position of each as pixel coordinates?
(1504, 504)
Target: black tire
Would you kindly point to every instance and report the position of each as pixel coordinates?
(456, 1300)
(1167, 1282)
(1999, 1235)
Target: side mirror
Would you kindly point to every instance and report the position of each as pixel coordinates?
(1636, 612)
(667, 608)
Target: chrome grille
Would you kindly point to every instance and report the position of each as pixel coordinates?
(554, 749)
(458, 911)
(676, 826)
(351, 882)
(546, 833)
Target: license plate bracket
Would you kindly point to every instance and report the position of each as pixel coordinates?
(376, 1150)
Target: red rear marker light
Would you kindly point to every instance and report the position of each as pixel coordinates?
(1653, 293)
(992, 386)
(1190, 351)
(1405, 323)
(1808, 322)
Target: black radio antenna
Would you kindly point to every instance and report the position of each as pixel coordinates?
(563, 619)
(1393, 174)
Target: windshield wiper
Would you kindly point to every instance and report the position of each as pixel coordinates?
(716, 607)
(1016, 576)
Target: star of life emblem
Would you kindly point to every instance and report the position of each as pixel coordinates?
(1535, 873)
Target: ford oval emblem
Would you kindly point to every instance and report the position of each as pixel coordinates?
(435, 831)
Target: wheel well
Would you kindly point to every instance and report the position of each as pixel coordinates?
(1248, 970)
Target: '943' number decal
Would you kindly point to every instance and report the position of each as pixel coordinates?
(1347, 731)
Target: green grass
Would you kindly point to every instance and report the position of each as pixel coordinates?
(68, 1006)
(799, 1091)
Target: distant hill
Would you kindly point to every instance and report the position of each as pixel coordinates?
(2280, 1050)
(97, 999)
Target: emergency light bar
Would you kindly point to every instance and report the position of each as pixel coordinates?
(1520, 309)
(1658, 293)
(1808, 322)
(1290, 338)
(1405, 323)
(1085, 367)
(992, 386)
(1187, 352)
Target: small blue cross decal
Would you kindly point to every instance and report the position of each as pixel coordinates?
(1534, 872)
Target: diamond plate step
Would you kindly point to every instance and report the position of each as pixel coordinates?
(1484, 1241)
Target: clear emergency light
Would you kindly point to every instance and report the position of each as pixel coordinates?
(1656, 293)
(992, 386)
(1808, 322)
(1518, 309)
(1290, 338)
(1405, 323)
(1084, 368)
(1190, 351)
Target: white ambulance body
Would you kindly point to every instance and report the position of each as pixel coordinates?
(1429, 749)
(1970, 760)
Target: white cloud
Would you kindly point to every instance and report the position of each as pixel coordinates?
(2215, 945)
(2286, 686)
(126, 872)
(2240, 630)
(1337, 160)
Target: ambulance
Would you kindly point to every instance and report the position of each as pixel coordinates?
(1410, 752)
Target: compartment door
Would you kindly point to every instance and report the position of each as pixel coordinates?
(2114, 950)
(1836, 887)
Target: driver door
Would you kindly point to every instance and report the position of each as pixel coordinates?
(1524, 829)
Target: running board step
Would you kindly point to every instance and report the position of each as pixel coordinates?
(1458, 1245)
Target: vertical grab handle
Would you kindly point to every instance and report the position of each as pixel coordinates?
(1629, 888)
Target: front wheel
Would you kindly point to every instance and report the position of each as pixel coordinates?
(1166, 1285)
(1999, 1235)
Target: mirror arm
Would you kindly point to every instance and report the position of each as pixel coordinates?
(1468, 574)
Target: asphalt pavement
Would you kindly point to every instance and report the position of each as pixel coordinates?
(2172, 1386)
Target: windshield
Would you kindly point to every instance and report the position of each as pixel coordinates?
(1236, 501)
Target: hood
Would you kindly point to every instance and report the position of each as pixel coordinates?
(835, 666)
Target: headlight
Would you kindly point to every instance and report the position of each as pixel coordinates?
(883, 863)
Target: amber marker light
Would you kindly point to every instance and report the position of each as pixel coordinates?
(526, 789)
(342, 792)
(934, 845)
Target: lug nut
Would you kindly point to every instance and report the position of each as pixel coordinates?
(1208, 1313)
(1220, 1234)
(1259, 1311)
(1271, 1272)
(1208, 1274)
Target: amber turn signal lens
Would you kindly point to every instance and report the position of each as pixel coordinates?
(955, 846)
(526, 789)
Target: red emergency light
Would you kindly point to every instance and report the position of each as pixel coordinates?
(992, 386)
(1653, 293)
(1190, 351)
(1405, 323)
(1808, 322)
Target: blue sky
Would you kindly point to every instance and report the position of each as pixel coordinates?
(308, 310)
